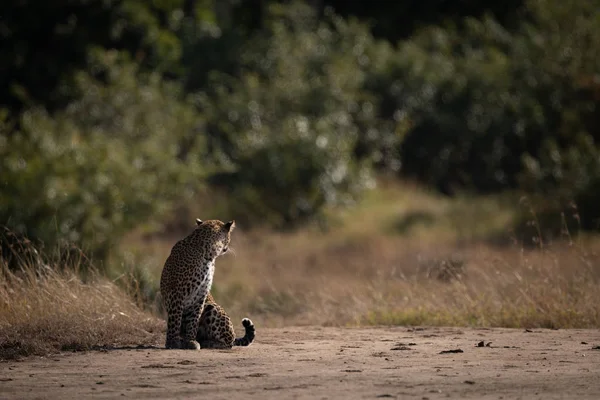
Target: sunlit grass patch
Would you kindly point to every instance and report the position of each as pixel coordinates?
(45, 311)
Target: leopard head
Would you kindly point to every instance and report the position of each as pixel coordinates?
(218, 234)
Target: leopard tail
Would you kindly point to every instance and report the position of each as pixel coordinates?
(248, 337)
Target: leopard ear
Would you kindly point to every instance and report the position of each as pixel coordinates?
(198, 221)
(230, 225)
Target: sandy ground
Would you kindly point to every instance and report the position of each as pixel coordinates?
(328, 363)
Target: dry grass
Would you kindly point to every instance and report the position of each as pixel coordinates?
(383, 280)
(43, 311)
(435, 270)
(402, 257)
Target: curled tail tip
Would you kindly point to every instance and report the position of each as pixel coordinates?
(247, 323)
(249, 334)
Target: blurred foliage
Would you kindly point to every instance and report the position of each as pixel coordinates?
(566, 164)
(45, 43)
(112, 112)
(285, 128)
(102, 165)
(396, 20)
(488, 109)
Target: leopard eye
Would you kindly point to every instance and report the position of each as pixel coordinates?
(225, 249)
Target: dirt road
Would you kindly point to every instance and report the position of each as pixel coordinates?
(329, 363)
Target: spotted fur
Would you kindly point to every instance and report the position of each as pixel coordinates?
(187, 277)
(216, 330)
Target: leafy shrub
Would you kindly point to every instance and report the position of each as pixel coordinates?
(487, 109)
(566, 164)
(284, 130)
(111, 159)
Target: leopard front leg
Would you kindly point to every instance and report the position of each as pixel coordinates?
(174, 326)
(189, 325)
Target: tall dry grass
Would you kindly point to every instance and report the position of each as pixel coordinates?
(402, 257)
(45, 309)
(372, 267)
(387, 280)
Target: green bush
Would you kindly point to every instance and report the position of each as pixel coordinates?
(110, 160)
(284, 130)
(565, 166)
(483, 106)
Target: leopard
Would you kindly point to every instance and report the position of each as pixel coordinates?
(185, 283)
